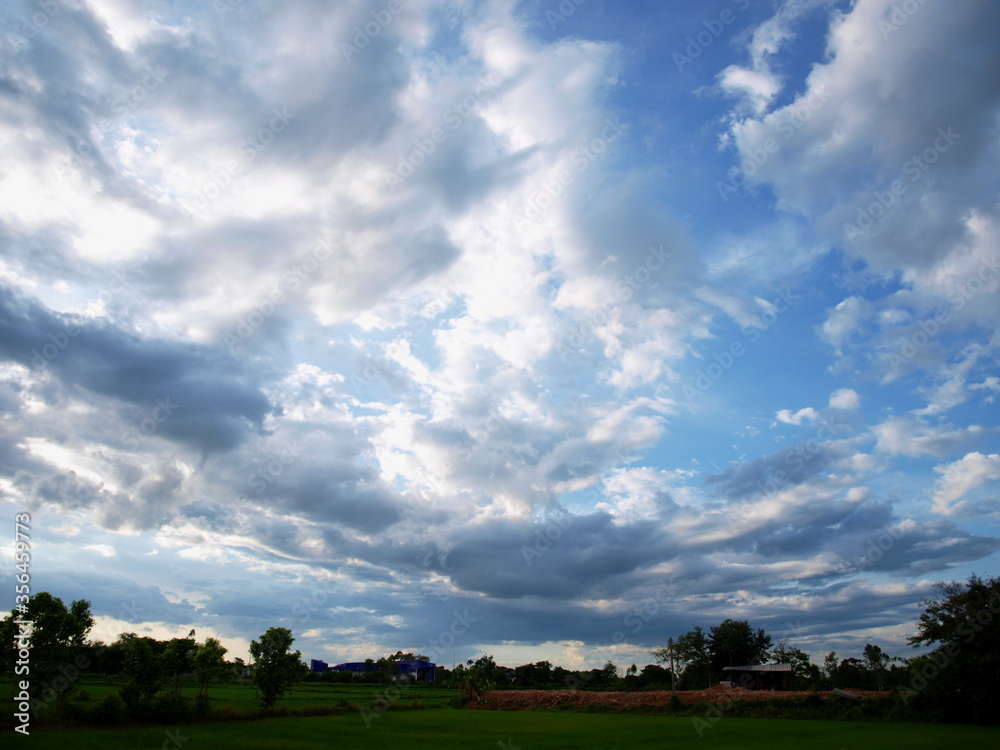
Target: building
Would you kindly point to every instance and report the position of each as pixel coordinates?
(759, 676)
(355, 666)
(418, 670)
(422, 671)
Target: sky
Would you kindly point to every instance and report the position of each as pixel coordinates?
(540, 329)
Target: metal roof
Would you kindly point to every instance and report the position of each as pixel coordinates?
(761, 668)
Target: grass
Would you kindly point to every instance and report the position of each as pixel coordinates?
(439, 726)
(531, 730)
(239, 698)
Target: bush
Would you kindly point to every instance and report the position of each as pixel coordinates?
(170, 708)
(812, 700)
(82, 695)
(109, 710)
(202, 705)
(131, 698)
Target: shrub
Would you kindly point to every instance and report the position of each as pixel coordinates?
(170, 708)
(109, 710)
(202, 705)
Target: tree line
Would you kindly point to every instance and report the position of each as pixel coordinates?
(700, 657)
(953, 682)
(148, 671)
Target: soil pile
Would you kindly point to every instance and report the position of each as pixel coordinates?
(518, 700)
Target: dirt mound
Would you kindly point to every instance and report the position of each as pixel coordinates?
(518, 700)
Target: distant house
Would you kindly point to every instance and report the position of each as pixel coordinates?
(422, 671)
(355, 666)
(418, 670)
(759, 676)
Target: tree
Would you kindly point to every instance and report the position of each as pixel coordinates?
(178, 658)
(653, 675)
(851, 673)
(733, 643)
(830, 666)
(58, 636)
(274, 667)
(804, 672)
(963, 621)
(609, 674)
(142, 671)
(485, 669)
(692, 658)
(529, 675)
(210, 663)
(876, 660)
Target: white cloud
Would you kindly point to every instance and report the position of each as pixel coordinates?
(904, 436)
(845, 321)
(807, 414)
(758, 86)
(961, 477)
(104, 550)
(845, 398)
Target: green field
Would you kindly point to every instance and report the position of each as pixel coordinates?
(530, 730)
(421, 717)
(243, 698)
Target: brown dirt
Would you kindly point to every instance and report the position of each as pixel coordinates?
(517, 700)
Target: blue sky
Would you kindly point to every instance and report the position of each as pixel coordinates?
(481, 327)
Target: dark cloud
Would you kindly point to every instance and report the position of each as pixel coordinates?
(187, 393)
(780, 471)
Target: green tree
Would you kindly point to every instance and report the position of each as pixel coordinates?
(210, 663)
(692, 658)
(274, 667)
(877, 662)
(653, 675)
(609, 674)
(178, 658)
(830, 666)
(851, 673)
(955, 682)
(733, 643)
(532, 675)
(804, 672)
(142, 671)
(58, 636)
(485, 669)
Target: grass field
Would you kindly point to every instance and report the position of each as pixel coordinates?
(243, 697)
(530, 730)
(439, 726)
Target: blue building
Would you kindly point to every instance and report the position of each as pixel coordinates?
(419, 670)
(422, 671)
(355, 666)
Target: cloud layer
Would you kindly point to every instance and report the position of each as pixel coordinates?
(363, 319)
